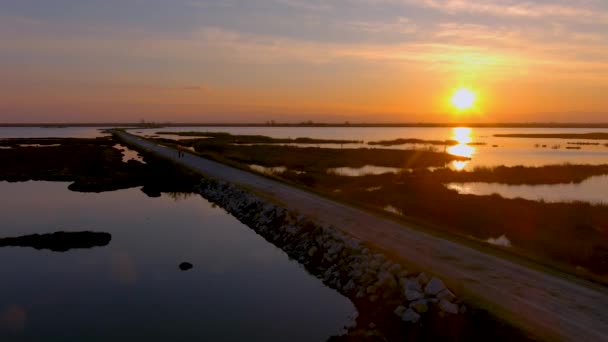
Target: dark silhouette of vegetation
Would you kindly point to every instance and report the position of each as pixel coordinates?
(314, 158)
(518, 175)
(400, 141)
(92, 165)
(570, 235)
(583, 143)
(59, 241)
(589, 136)
(227, 138)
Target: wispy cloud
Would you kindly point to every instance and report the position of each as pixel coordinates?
(307, 5)
(401, 25)
(504, 8)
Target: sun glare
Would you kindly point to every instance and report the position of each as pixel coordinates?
(463, 99)
(463, 136)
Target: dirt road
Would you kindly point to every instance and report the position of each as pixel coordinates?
(550, 307)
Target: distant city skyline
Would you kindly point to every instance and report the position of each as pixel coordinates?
(294, 60)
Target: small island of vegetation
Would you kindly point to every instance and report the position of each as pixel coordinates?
(588, 136)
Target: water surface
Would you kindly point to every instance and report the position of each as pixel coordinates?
(51, 132)
(594, 190)
(241, 287)
(494, 151)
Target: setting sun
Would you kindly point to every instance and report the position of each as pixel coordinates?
(463, 99)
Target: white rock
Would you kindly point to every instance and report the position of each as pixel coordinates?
(448, 307)
(447, 295)
(412, 284)
(400, 310)
(434, 287)
(410, 316)
(412, 295)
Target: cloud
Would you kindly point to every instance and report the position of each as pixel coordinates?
(503, 8)
(401, 26)
(307, 5)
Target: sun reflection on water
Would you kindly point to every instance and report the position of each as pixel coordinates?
(463, 135)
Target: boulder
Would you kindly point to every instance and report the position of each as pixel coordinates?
(448, 307)
(400, 310)
(410, 316)
(447, 295)
(184, 266)
(412, 295)
(434, 287)
(412, 284)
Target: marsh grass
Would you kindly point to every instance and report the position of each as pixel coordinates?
(92, 165)
(519, 175)
(568, 236)
(589, 136)
(227, 138)
(319, 159)
(402, 141)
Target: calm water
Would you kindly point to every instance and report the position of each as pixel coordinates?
(241, 287)
(496, 151)
(594, 189)
(52, 132)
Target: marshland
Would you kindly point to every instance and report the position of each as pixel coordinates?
(99, 184)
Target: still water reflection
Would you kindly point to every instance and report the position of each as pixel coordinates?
(363, 171)
(463, 135)
(240, 289)
(483, 145)
(594, 190)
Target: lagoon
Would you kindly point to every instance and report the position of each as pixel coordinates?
(241, 287)
(485, 150)
(593, 190)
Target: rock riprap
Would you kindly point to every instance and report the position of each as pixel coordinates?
(341, 261)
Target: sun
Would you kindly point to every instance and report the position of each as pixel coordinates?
(463, 98)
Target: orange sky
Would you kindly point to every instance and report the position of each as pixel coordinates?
(294, 60)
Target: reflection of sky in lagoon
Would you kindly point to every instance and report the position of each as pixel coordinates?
(51, 132)
(272, 170)
(129, 154)
(241, 287)
(508, 151)
(594, 189)
(363, 171)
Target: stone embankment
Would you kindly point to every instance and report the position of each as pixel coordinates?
(342, 262)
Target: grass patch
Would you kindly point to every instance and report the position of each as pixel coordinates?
(92, 165)
(400, 141)
(227, 138)
(311, 159)
(588, 136)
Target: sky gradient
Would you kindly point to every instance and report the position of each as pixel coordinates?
(295, 60)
